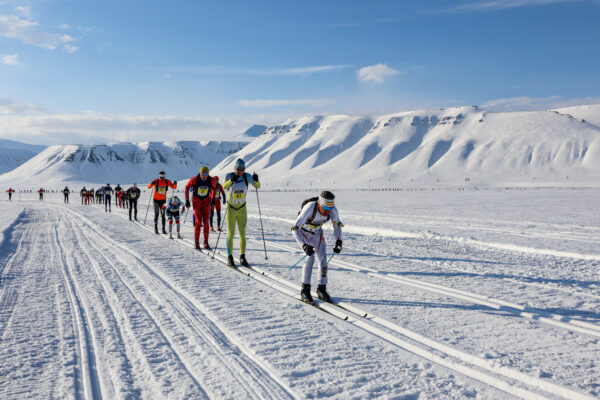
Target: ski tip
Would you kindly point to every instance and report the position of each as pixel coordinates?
(346, 318)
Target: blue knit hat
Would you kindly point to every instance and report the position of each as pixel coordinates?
(239, 164)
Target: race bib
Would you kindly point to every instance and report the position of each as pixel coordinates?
(238, 197)
(202, 191)
(162, 190)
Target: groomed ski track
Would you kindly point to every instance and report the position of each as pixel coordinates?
(464, 363)
(133, 325)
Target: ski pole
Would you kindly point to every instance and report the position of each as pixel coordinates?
(302, 258)
(333, 254)
(148, 208)
(220, 230)
(261, 224)
(186, 214)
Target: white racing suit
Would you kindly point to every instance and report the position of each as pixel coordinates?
(310, 232)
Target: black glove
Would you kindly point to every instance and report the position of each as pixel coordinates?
(174, 182)
(187, 203)
(255, 177)
(223, 200)
(338, 246)
(309, 250)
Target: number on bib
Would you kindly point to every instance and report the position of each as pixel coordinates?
(202, 191)
(161, 189)
(238, 197)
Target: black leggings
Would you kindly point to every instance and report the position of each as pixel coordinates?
(158, 210)
(132, 205)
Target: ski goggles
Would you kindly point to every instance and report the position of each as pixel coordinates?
(204, 174)
(161, 175)
(326, 208)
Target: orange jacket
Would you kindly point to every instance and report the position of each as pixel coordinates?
(160, 188)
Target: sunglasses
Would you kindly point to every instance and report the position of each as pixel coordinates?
(204, 174)
(327, 208)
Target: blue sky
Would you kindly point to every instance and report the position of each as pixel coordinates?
(83, 71)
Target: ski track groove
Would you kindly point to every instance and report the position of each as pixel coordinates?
(492, 303)
(484, 377)
(154, 320)
(271, 388)
(86, 342)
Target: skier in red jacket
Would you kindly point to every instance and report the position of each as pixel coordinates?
(201, 187)
(215, 202)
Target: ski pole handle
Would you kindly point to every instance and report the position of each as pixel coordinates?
(302, 258)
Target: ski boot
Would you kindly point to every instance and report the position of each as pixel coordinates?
(170, 236)
(130, 218)
(322, 294)
(230, 261)
(197, 245)
(156, 229)
(135, 219)
(164, 231)
(179, 236)
(206, 245)
(243, 260)
(219, 228)
(305, 294)
(212, 229)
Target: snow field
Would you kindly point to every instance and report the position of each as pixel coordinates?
(138, 314)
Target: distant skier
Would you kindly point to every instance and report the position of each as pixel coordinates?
(161, 186)
(10, 191)
(41, 192)
(118, 198)
(236, 184)
(172, 210)
(308, 231)
(201, 188)
(83, 194)
(107, 193)
(215, 202)
(133, 194)
(66, 192)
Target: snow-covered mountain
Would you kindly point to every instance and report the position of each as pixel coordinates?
(251, 133)
(13, 154)
(445, 146)
(121, 162)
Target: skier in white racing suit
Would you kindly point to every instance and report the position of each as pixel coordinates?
(309, 234)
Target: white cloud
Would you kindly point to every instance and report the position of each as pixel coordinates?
(525, 103)
(65, 26)
(92, 127)
(376, 73)
(24, 11)
(281, 103)
(12, 59)
(492, 5)
(26, 30)
(69, 48)
(10, 107)
(253, 71)
(168, 76)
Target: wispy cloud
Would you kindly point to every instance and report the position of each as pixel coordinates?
(27, 31)
(492, 5)
(92, 127)
(525, 103)
(69, 48)
(255, 71)
(12, 59)
(362, 23)
(376, 73)
(281, 103)
(11, 107)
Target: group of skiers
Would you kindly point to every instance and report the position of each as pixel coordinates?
(208, 195)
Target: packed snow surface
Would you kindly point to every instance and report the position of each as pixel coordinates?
(467, 294)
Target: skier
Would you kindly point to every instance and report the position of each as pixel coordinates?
(172, 210)
(66, 192)
(41, 192)
(118, 198)
(107, 192)
(201, 187)
(215, 202)
(308, 231)
(10, 191)
(161, 186)
(82, 193)
(91, 195)
(236, 184)
(133, 194)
